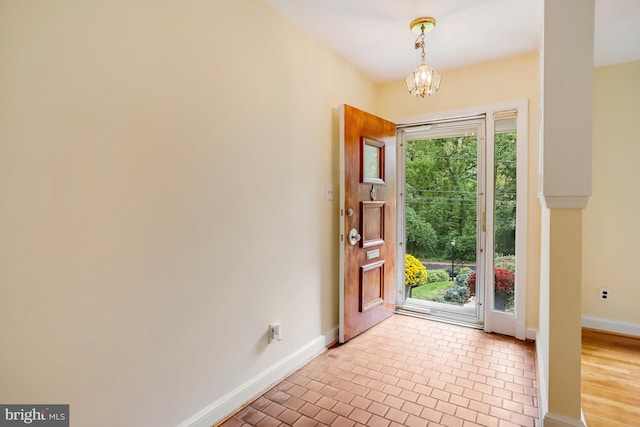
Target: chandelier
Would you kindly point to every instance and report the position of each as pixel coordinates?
(424, 80)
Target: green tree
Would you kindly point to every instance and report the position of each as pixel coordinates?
(441, 196)
(505, 193)
(441, 192)
(421, 237)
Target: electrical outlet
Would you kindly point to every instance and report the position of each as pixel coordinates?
(605, 294)
(275, 332)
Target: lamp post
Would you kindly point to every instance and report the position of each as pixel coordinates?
(453, 256)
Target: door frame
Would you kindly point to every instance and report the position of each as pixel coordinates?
(473, 316)
(512, 324)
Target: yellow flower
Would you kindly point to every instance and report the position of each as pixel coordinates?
(415, 273)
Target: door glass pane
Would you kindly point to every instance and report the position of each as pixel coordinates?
(371, 162)
(441, 215)
(505, 214)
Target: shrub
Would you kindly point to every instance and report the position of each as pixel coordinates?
(503, 279)
(457, 295)
(415, 273)
(463, 275)
(438, 276)
(471, 284)
(508, 262)
(456, 270)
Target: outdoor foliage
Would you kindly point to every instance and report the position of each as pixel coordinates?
(438, 276)
(442, 204)
(508, 262)
(441, 193)
(415, 273)
(471, 284)
(505, 193)
(463, 275)
(457, 295)
(430, 291)
(465, 248)
(441, 196)
(504, 280)
(421, 237)
(456, 270)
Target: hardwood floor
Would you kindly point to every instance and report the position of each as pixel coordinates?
(610, 379)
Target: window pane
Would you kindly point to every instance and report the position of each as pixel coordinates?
(371, 161)
(505, 214)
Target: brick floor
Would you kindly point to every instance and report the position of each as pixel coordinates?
(407, 371)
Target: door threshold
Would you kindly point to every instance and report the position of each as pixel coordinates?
(424, 315)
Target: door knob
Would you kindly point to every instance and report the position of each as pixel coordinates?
(354, 237)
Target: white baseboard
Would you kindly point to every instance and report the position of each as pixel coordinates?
(532, 334)
(543, 403)
(607, 325)
(254, 387)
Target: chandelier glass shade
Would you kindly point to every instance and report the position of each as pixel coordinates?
(424, 81)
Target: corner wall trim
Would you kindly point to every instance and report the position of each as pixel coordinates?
(254, 387)
(554, 420)
(563, 202)
(331, 337)
(532, 334)
(626, 328)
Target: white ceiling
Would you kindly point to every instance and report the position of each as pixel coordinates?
(374, 35)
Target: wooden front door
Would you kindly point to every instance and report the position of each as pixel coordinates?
(367, 219)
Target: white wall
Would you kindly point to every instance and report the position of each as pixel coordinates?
(162, 176)
(611, 230)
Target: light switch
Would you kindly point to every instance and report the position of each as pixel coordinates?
(329, 192)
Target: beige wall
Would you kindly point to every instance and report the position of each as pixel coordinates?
(611, 230)
(560, 330)
(162, 177)
(493, 82)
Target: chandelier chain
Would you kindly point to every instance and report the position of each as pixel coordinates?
(420, 42)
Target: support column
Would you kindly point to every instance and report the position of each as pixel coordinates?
(566, 70)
